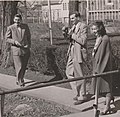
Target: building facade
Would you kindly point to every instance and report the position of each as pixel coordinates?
(100, 9)
(55, 10)
(65, 11)
(59, 11)
(89, 9)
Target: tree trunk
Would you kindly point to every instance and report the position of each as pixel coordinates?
(9, 9)
(73, 6)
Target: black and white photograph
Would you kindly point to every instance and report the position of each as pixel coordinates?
(59, 58)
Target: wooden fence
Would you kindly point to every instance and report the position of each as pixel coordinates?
(103, 9)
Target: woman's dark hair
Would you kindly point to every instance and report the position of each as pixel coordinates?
(18, 15)
(100, 25)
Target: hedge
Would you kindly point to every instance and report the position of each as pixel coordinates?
(51, 59)
(47, 58)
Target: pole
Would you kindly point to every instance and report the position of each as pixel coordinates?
(95, 105)
(3, 26)
(50, 24)
(25, 11)
(2, 105)
(38, 11)
(87, 12)
(119, 10)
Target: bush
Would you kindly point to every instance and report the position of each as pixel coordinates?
(48, 59)
(43, 55)
(51, 59)
(38, 59)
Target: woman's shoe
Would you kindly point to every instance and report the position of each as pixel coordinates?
(113, 99)
(106, 111)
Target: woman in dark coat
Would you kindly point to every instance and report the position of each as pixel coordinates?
(102, 63)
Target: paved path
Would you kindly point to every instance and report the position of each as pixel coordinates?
(59, 95)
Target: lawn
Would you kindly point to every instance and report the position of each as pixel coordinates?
(19, 105)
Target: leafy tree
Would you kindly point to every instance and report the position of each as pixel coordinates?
(9, 9)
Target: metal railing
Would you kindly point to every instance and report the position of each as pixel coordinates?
(3, 93)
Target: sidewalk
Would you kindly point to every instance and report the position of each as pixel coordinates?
(59, 95)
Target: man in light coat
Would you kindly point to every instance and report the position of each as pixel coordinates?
(18, 35)
(76, 56)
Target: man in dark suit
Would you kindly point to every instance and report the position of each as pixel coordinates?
(18, 35)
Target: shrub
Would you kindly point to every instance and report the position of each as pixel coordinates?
(38, 60)
(51, 59)
(43, 55)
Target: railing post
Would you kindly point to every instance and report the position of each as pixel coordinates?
(2, 105)
(95, 105)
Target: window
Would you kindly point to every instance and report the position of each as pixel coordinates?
(64, 6)
(109, 2)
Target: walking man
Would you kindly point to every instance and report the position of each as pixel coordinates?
(18, 35)
(76, 57)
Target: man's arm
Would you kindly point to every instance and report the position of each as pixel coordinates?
(8, 36)
(81, 36)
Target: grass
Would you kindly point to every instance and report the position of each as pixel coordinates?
(37, 107)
